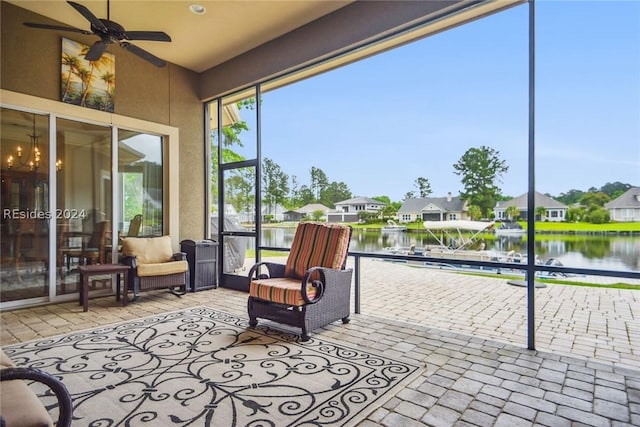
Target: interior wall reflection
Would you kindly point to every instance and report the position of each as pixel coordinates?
(83, 199)
(24, 232)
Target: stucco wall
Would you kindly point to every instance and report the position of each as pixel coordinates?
(30, 64)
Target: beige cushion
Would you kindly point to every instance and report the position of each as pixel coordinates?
(148, 250)
(162, 269)
(19, 406)
(5, 362)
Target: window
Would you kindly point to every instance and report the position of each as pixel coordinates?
(140, 175)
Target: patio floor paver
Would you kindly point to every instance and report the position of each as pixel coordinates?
(468, 380)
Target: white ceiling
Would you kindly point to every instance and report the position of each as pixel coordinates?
(199, 42)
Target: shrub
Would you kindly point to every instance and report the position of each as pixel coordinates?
(599, 216)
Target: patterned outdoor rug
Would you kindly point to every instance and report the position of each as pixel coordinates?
(201, 367)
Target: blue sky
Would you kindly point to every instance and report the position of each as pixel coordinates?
(380, 123)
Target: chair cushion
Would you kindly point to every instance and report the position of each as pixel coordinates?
(19, 406)
(317, 245)
(162, 268)
(148, 250)
(5, 361)
(280, 290)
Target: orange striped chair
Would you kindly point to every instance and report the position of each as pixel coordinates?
(313, 288)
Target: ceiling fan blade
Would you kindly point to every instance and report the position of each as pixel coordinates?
(96, 51)
(156, 36)
(95, 22)
(143, 54)
(56, 27)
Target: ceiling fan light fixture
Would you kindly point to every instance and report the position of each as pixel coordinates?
(197, 9)
(110, 32)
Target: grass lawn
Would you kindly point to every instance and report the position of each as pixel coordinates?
(544, 227)
(552, 281)
(585, 227)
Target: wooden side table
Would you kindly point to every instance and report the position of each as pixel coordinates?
(86, 271)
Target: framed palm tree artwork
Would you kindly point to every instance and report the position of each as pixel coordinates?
(90, 84)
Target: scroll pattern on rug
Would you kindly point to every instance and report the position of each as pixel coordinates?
(202, 367)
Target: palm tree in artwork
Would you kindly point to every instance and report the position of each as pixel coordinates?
(102, 62)
(72, 63)
(110, 80)
(84, 76)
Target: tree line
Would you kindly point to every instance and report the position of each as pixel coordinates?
(480, 169)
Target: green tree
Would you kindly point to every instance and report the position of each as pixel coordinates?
(480, 169)
(512, 213)
(409, 195)
(132, 194)
(239, 189)
(575, 214)
(333, 193)
(317, 215)
(230, 139)
(389, 211)
(474, 212)
(293, 193)
(570, 197)
(367, 217)
(424, 186)
(614, 189)
(384, 199)
(305, 196)
(598, 216)
(319, 181)
(541, 213)
(594, 199)
(275, 183)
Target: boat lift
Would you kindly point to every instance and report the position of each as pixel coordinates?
(453, 230)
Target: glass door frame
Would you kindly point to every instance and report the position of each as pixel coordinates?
(55, 110)
(226, 280)
(234, 281)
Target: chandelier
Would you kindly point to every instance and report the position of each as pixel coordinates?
(32, 159)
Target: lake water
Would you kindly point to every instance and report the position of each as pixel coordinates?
(580, 251)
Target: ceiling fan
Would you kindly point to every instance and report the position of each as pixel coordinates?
(110, 32)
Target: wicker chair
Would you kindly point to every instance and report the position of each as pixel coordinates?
(313, 289)
(154, 265)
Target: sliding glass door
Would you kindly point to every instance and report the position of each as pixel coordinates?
(24, 227)
(83, 199)
(62, 205)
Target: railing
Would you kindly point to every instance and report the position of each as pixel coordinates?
(529, 269)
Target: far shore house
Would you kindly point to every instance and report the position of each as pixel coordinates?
(554, 210)
(274, 212)
(347, 210)
(626, 207)
(306, 211)
(433, 209)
